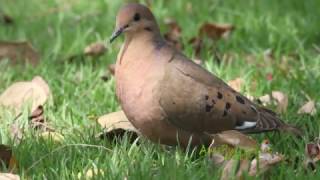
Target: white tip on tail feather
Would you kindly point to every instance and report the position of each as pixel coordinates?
(246, 125)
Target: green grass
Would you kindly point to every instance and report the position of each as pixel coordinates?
(60, 29)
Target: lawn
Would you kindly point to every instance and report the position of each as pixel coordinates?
(59, 29)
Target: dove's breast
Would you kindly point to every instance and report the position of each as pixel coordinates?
(137, 77)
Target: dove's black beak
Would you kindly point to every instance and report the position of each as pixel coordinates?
(117, 33)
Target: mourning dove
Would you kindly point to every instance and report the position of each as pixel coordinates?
(169, 98)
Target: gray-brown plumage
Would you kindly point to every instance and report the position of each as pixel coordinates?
(169, 98)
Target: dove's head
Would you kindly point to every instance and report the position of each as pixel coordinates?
(134, 18)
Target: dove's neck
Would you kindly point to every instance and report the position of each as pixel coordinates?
(139, 44)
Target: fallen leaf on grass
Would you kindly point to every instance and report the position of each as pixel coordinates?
(18, 94)
(264, 162)
(276, 98)
(7, 158)
(308, 108)
(282, 100)
(9, 176)
(116, 124)
(174, 33)
(234, 139)
(232, 167)
(16, 51)
(236, 84)
(95, 49)
(215, 31)
(312, 155)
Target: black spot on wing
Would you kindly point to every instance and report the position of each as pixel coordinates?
(228, 106)
(208, 107)
(206, 97)
(219, 95)
(240, 100)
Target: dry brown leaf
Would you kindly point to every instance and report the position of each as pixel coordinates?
(312, 155)
(277, 98)
(18, 94)
(9, 176)
(116, 124)
(264, 163)
(215, 31)
(16, 51)
(7, 158)
(235, 139)
(282, 100)
(308, 108)
(174, 34)
(236, 84)
(95, 49)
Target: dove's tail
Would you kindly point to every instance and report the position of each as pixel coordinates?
(269, 121)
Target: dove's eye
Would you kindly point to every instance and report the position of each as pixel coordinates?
(136, 17)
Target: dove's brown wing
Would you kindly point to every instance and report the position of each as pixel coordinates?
(197, 101)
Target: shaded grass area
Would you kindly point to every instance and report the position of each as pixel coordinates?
(60, 29)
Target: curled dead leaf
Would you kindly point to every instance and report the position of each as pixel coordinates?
(35, 92)
(308, 108)
(236, 84)
(235, 139)
(264, 162)
(95, 49)
(215, 31)
(16, 51)
(116, 124)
